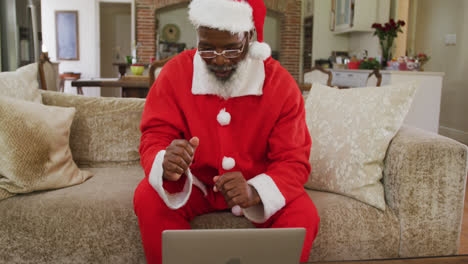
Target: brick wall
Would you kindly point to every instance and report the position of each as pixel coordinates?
(145, 30)
(289, 12)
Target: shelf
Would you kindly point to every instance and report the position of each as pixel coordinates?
(351, 30)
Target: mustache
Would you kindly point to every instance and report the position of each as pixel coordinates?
(221, 68)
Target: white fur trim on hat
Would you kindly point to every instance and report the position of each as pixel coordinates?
(226, 15)
(259, 50)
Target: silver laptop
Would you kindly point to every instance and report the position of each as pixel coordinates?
(233, 246)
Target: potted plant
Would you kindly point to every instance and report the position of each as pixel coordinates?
(369, 64)
(387, 34)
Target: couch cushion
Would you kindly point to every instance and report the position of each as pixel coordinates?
(35, 154)
(105, 131)
(349, 229)
(21, 84)
(89, 223)
(351, 130)
(94, 222)
(352, 230)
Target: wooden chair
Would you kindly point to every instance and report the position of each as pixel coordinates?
(48, 73)
(316, 74)
(156, 67)
(320, 75)
(374, 79)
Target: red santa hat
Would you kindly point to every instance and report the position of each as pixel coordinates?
(233, 15)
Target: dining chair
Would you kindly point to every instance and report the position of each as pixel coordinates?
(48, 73)
(374, 79)
(156, 68)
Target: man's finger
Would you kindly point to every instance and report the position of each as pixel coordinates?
(194, 142)
(173, 167)
(183, 153)
(179, 161)
(223, 180)
(172, 176)
(184, 144)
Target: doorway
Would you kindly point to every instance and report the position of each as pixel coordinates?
(115, 41)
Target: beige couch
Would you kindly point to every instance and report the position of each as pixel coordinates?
(94, 222)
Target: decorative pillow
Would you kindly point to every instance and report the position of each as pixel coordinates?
(351, 130)
(21, 84)
(105, 131)
(34, 150)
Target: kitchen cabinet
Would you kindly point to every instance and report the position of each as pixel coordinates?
(358, 15)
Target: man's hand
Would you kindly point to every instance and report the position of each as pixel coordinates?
(178, 157)
(235, 190)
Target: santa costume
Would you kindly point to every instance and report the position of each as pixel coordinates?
(254, 123)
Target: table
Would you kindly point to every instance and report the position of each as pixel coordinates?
(70, 76)
(137, 87)
(423, 260)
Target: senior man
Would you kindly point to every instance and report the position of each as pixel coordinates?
(230, 120)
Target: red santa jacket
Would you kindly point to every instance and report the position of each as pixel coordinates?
(261, 131)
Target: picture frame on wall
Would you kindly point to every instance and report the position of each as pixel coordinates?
(67, 35)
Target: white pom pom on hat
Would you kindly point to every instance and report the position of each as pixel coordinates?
(233, 15)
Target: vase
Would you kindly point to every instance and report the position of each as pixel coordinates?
(386, 45)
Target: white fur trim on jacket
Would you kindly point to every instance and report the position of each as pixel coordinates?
(272, 199)
(221, 14)
(223, 117)
(261, 51)
(176, 200)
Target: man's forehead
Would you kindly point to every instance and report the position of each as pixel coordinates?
(205, 33)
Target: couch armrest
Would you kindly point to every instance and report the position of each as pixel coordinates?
(424, 181)
(104, 131)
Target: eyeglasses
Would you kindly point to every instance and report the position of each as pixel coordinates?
(229, 54)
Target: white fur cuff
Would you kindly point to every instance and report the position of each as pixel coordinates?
(261, 51)
(176, 200)
(272, 199)
(226, 15)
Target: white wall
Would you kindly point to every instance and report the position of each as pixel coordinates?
(324, 41)
(179, 17)
(88, 18)
(271, 32)
(435, 19)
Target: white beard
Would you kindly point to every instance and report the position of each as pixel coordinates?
(248, 79)
(225, 89)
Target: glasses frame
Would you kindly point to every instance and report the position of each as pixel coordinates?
(223, 53)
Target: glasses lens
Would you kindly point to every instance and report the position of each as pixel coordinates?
(232, 53)
(207, 54)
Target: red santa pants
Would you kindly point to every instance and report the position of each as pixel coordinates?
(154, 217)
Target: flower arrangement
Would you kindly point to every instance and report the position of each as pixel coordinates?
(369, 64)
(387, 34)
(422, 58)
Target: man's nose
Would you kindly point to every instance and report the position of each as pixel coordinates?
(220, 60)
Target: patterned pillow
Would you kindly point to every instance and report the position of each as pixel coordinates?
(21, 84)
(34, 150)
(351, 130)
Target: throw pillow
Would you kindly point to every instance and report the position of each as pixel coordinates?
(34, 150)
(351, 130)
(21, 84)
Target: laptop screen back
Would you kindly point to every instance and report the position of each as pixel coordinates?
(233, 246)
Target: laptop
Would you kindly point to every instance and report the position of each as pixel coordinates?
(233, 246)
